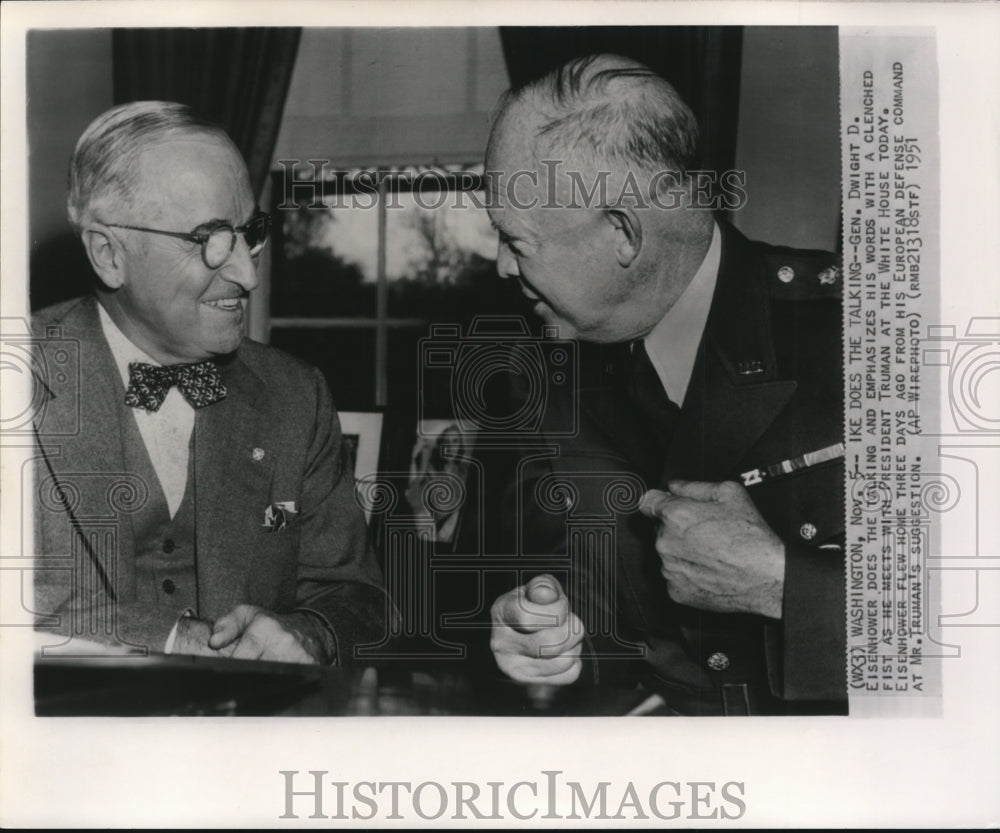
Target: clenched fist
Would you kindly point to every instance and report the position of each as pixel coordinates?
(716, 551)
(536, 637)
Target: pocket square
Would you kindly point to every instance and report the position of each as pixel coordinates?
(277, 515)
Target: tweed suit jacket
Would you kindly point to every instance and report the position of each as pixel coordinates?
(274, 439)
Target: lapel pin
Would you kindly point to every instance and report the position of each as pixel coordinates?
(257, 454)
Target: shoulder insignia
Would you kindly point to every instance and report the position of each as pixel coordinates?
(829, 276)
(802, 274)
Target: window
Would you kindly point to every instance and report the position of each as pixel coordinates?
(365, 260)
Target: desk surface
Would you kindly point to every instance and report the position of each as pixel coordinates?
(208, 686)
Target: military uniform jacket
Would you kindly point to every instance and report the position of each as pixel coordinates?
(273, 442)
(766, 391)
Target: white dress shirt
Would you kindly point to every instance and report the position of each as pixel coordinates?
(166, 433)
(672, 345)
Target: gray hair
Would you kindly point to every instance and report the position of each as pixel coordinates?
(612, 109)
(103, 170)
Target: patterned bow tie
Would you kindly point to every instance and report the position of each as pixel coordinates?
(148, 385)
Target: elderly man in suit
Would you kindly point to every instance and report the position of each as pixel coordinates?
(190, 495)
(711, 368)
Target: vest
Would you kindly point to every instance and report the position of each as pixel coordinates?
(165, 548)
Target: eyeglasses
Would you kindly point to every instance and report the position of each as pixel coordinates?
(217, 241)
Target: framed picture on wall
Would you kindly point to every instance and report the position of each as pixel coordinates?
(439, 466)
(362, 439)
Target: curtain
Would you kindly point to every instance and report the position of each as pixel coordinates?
(235, 77)
(701, 62)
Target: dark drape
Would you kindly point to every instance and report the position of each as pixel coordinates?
(702, 63)
(235, 77)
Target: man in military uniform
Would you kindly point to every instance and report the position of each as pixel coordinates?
(711, 368)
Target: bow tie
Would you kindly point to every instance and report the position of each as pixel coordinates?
(148, 385)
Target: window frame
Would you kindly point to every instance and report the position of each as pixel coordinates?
(282, 188)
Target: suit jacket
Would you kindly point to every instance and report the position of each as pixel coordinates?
(85, 495)
(766, 388)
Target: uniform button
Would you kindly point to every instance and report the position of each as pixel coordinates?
(168, 587)
(786, 274)
(807, 531)
(169, 546)
(718, 661)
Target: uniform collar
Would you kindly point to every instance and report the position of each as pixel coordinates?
(736, 391)
(672, 344)
(738, 330)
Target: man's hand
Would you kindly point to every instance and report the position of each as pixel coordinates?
(256, 633)
(192, 638)
(717, 552)
(536, 638)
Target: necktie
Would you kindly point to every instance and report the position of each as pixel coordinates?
(654, 406)
(148, 385)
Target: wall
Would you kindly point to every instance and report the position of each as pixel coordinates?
(391, 96)
(788, 136)
(68, 84)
